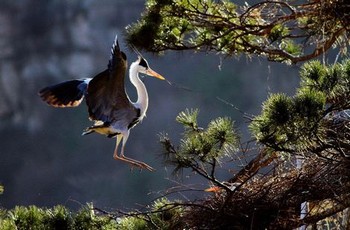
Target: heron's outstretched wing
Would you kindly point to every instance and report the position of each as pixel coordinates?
(106, 93)
(65, 94)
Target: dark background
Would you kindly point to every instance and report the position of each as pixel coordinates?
(44, 159)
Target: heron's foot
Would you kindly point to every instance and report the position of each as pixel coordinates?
(141, 165)
(134, 163)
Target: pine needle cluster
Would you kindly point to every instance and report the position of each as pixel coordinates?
(58, 217)
(163, 214)
(201, 147)
(285, 31)
(297, 123)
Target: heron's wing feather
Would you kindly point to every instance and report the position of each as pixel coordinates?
(106, 93)
(66, 94)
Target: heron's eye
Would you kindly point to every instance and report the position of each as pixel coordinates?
(143, 63)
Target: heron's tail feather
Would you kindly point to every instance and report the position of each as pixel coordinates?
(65, 94)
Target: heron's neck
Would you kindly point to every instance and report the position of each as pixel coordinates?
(142, 95)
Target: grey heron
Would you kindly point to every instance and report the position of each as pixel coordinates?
(108, 104)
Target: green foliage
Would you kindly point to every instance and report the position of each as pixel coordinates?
(134, 222)
(163, 215)
(188, 119)
(270, 127)
(315, 76)
(309, 104)
(29, 218)
(87, 219)
(169, 22)
(283, 31)
(167, 214)
(278, 32)
(334, 81)
(278, 108)
(289, 46)
(312, 74)
(201, 145)
(59, 217)
(295, 123)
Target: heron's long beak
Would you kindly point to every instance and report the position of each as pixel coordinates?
(153, 73)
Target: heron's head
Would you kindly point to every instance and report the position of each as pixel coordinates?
(144, 68)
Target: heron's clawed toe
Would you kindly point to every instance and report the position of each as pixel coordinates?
(134, 163)
(146, 166)
(141, 166)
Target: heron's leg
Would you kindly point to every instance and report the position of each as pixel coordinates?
(137, 163)
(115, 154)
(124, 136)
(122, 157)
